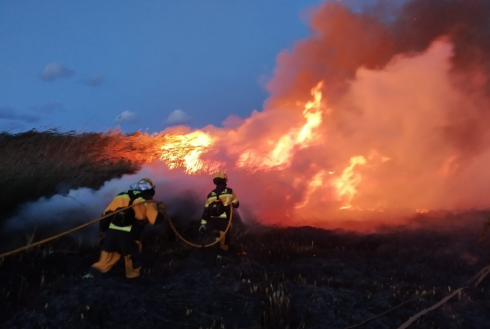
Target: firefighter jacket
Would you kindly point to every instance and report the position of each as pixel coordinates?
(228, 199)
(144, 212)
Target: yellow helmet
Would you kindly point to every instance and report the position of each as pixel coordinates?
(220, 175)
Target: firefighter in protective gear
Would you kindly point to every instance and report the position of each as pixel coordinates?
(217, 210)
(122, 231)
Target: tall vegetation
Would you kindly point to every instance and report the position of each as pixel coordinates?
(35, 164)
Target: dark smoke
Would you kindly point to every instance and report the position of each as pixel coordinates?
(343, 41)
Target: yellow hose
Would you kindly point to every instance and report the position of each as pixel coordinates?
(12, 252)
(206, 245)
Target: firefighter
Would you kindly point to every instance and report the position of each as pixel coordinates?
(217, 211)
(120, 234)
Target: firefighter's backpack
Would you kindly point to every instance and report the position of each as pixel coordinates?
(124, 218)
(217, 208)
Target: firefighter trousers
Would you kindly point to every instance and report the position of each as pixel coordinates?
(219, 225)
(110, 255)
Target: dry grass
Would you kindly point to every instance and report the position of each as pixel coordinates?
(35, 164)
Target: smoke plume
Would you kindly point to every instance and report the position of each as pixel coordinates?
(409, 92)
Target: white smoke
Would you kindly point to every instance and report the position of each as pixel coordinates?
(184, 195)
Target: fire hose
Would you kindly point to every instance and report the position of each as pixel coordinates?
(29, 246)
(203, 245)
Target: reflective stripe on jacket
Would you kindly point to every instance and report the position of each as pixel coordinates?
(143, 211)
(226, 195)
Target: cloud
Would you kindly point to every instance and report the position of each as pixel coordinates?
(54, 71)
(8, 113)
(177, 117)
(127, 116)
(49, 107)
(94, 81)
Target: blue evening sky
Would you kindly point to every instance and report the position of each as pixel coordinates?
(86, 65)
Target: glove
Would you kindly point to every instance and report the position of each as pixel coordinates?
(202, 228)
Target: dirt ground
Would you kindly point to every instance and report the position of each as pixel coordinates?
(297, 277)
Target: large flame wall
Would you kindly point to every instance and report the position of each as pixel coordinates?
(388, 109)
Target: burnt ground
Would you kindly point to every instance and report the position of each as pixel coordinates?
(297, 277)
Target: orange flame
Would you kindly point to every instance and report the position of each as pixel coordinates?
(184, 151)
(346, 184)
(314, 185)
(296, 138)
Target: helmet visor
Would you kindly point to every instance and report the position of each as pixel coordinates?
(142, 185)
